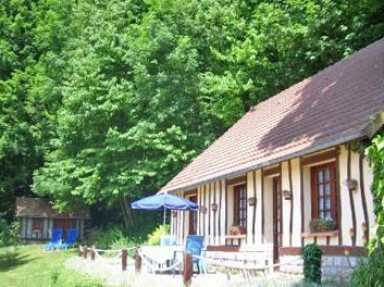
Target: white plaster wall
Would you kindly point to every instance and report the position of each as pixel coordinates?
(346, 214)
(356, 195)
(199, 214)
(285, 203)
(307, 197)
(212, 223)
(222, 213)
(250, 209)
(258, 230)
(268, 210)
(230, 207)
(205, 215)
(296, 202)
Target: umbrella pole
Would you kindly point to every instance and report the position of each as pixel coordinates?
(164, 217)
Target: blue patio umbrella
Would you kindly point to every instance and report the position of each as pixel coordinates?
(163, 202)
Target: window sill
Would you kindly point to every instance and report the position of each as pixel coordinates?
(320, 234)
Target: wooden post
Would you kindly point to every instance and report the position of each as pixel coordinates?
(93, 253)
(85, 252)
(187, 272)
(124, 259)
(137, 261)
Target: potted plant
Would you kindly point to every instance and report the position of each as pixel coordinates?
(322, 224)
(235, 229)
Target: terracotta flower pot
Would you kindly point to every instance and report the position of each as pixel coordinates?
(236, 230)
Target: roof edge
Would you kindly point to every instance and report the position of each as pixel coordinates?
(272, 162)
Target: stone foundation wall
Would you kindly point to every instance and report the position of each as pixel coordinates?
(335, 267)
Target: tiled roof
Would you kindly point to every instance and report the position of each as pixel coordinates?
(329, 108)
(42, 208)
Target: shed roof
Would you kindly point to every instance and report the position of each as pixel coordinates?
(42, 208)
(332, 107)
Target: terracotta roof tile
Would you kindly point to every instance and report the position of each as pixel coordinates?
(329, 108)
(42, 208)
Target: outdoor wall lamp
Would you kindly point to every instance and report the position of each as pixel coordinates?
(287, 194)
(351, 184)
(252, 201)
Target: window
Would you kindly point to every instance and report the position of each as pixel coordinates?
(37, 225)
(240, 205)
(323, 179)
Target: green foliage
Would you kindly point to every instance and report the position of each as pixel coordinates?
(321, 225)
(312, 254)
(155, 237)
(9, 240)
(102, 101)
(110, 237)
(368, 271)
(8, 233)
(376, 155)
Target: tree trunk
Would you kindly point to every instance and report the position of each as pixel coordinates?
(126, 211)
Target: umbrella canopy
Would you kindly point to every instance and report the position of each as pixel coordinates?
(164, 201)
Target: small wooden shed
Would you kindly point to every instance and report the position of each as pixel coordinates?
(38, 218)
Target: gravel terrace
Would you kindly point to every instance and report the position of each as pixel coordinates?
(110, 271)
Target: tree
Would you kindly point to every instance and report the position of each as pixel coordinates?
(106, 101)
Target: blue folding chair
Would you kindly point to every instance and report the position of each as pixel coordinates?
(56, 239)
(194, 245)
(71, 238)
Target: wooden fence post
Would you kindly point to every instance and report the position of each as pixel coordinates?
(124, 259)
(93, 253)
(137, 261)
(85, 252)
(187, 272)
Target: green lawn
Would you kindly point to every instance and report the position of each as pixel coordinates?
(33, 267)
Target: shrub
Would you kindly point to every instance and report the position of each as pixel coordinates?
(312, 263)
(369, 271)
(155, 236)
(106, 238)
(8, 233)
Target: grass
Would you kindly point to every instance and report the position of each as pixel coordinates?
(31, 266)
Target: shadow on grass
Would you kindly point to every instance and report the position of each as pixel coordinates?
(12, 260)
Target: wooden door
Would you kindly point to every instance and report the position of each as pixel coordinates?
(192, 218)
(277, 218)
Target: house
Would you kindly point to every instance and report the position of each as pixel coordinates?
(37, 219)
(289, 161)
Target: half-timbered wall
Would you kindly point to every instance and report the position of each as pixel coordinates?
(354, 207)
(28, 230)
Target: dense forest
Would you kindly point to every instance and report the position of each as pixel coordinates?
(104, 101)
